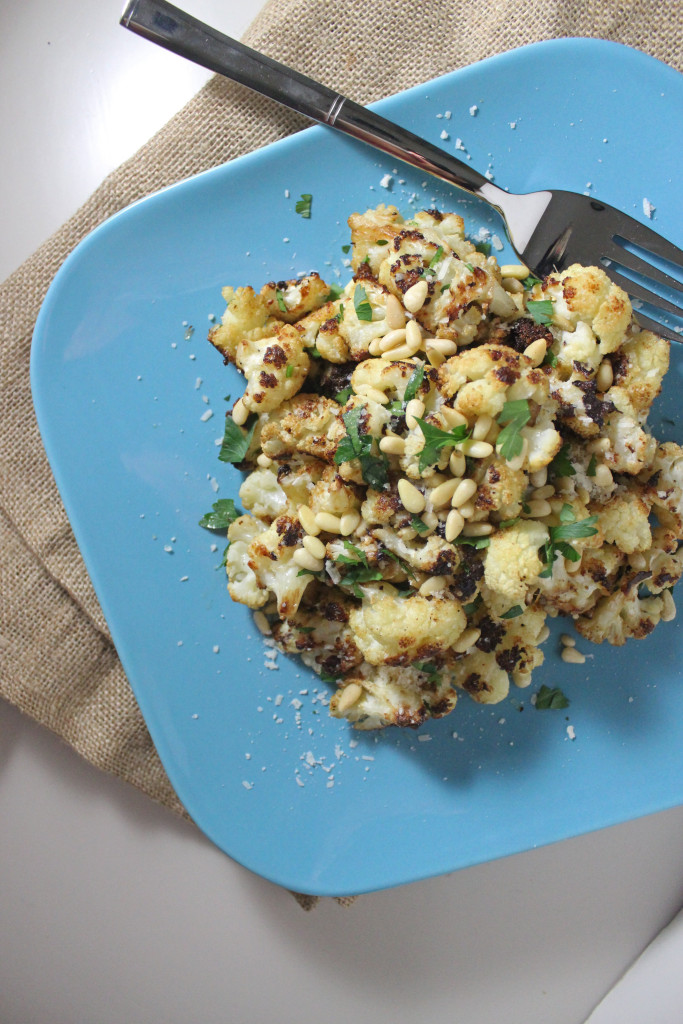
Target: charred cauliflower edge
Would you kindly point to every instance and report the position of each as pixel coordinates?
(439, 458)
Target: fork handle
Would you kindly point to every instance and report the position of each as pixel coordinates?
(179, 32)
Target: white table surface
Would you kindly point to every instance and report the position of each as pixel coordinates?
(114, 912)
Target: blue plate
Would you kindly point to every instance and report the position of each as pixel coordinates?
(130, 403)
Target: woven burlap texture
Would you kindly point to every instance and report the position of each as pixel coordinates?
(57, 661)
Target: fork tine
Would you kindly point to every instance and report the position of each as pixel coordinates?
(632, 262)
(653, 325)
(643, 293)
(649, 240)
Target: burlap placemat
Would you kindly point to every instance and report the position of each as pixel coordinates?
(57, 661)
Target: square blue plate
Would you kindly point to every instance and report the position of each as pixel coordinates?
(130, 403)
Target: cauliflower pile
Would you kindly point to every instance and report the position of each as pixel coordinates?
(439, 457)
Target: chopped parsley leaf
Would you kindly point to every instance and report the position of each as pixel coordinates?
(551, 699)
(513, 612)
(436, 258)
(541, 310)
(417, 525)
(470, 267)
(561, 536)
(484, 248)
(334, 292)
(340, 313)
(382, 241)
(414, 384)
(436, 439)
(426, 666)
(561, 464)
(355, 445)
(343, 396)
(473, 606)
(235, 442)
(280, 301)
(222, 515)
(346, 248)
(550, 359)
(303, 205)
(507, 523)
(516, 415)
(474, 542)
(289, 371)
(361, 304)
(592, 466)
(530, 281)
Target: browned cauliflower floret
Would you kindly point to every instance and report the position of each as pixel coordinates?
(624, 522)
(512, 561)
(639, 367)
(333, 494)
(663, 483)
(395, 631)
(275, 367)
(500, 489)
(321, 635)
(586, 293)
(299, 297)
(371, 234)
(271, 558)
(308, 423)
(482, 678)
(632, 448)
(375, 696)
(243, 586)
(572, 593)
(246, 318)
(621, 616)
(262, 495)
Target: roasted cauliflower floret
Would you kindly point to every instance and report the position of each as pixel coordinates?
(275, 368)
(639, 367)
(299, 297)
(243, 585)
(619, 617)
(375, 696)
(512, 561)
(586, 293)
(309, 424)
(663, 481)
(271, 557)
(262, 495)
(624, 522)
(246, 318)
(393, 631)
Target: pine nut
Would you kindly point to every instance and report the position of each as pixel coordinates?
(412, 499)
(433, 585)
(431, 520)
(314, 546)
(516, 270)
(465, 490)
(414, 298)
(457, 464)
(441, 495)
(518, 461)
(562, 322)
(413, 335)
(603, 476)
(605, 376)
(543, 635)
(264, 461)
(477, 449)
(512, 285)
(567, 640)
(327, 522)
(466, 640)
(535, 352)
(348, 522)
(306, 560)
(434, 357)
(394, 315)
(538, 508)
(452, 417)
(406, 533)
(601, 444)
(539, 478)
(374, 394)
(261, 623)
(373, 347)
(349, 696)
(414, 410)
(392, 445)
(572, 568)
(467, 510)
(572, 656)
(307, 520)
(637, 561)
(240, 413)
(481, 427)
(454, 525)
(543, 492)
(392, 339)
(477, 529)
(668, 607)
(443, 345)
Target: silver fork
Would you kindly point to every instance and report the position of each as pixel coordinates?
(548, 230)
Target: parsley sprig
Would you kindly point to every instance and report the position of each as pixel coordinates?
(223, 513)
(561, 464)
(357, 570)
(361, 304)
(414, 384)
(561, 536)
(235, 442)
(357, 445)
(303, 205)
(551, 699)
(436, 439)
(436, 258)
(541, 310)
(515, 415)
(280, 301)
